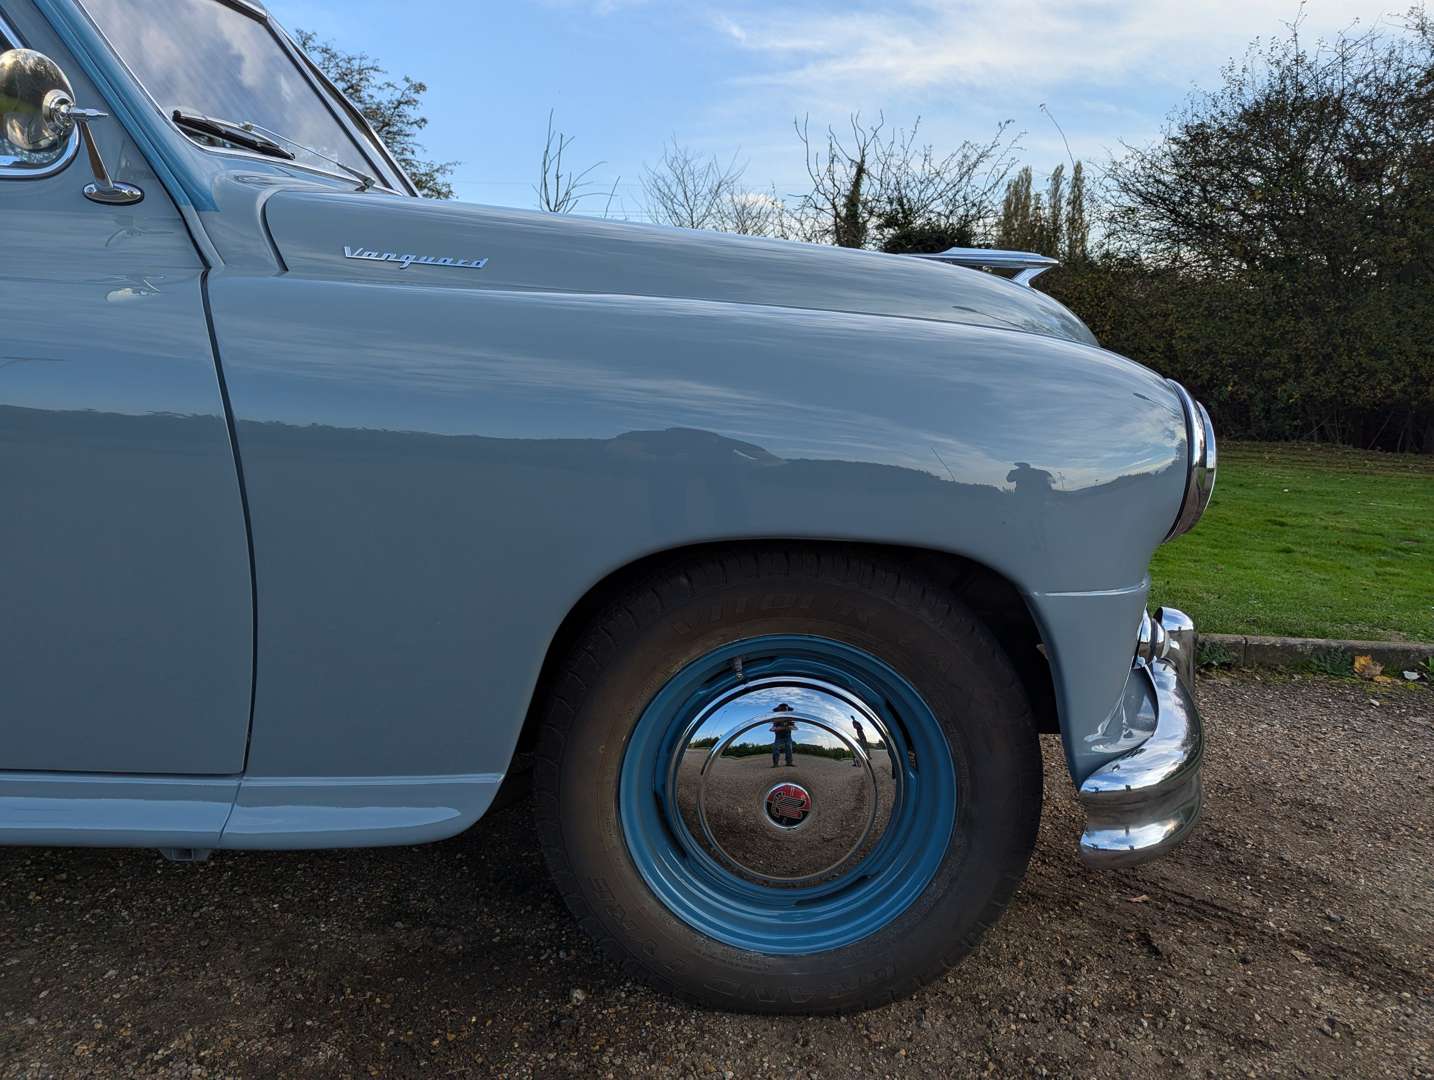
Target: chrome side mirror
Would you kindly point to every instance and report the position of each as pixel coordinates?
(38, 113)
(34, 95)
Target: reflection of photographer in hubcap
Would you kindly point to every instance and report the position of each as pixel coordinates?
(782, 729)
(861, 739)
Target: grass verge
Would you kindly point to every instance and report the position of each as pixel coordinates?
(1309, 541)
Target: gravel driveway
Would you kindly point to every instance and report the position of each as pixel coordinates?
(1292, 936)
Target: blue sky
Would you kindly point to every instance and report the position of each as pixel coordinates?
(728, 76)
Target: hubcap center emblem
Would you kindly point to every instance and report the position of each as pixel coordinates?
(788, 805)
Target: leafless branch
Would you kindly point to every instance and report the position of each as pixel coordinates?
(560, 190)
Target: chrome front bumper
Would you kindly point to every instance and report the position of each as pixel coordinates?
(1145, 802)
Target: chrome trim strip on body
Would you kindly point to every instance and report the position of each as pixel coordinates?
(265, 813)
(1147, 801)
(247, 8)
(11, 171)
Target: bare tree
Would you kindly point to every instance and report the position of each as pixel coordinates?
(561, 190)
(899, 193)
(840, 198)
(751, 213)
(693, 192)
(791, 220)
(926, 201)
(768, 213)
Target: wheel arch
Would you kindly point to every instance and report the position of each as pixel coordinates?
(989, 593)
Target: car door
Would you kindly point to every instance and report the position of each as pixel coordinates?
(126, 626)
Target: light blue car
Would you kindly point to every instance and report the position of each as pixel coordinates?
(326, 508)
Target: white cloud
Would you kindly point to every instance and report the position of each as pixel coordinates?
(890, 48)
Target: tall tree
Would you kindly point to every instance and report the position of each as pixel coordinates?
(1019, 225)
(1077, 237)
(1054, 223)
(1052, 234)
(391, 106)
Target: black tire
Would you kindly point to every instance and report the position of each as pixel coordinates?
(864, 598)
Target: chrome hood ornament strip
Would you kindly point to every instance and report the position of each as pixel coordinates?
(1029, 264)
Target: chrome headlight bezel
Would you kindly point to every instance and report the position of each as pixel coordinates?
(1200, 481)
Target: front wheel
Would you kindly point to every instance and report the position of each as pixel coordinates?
(787, 780)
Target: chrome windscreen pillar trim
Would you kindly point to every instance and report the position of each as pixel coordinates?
(1146, 802)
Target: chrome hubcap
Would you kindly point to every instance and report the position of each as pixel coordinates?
(788, 781)
(777, 858)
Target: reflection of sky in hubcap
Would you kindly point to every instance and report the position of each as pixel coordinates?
(787, 781)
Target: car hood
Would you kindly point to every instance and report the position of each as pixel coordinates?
(369, 237)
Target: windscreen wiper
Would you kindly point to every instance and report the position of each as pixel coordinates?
(230, 132)
(256, 137)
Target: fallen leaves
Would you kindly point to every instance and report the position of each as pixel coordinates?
(1366, 667)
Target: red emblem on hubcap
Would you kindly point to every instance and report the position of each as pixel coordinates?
(788, 805)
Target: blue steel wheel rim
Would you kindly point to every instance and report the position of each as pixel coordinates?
(825, 846)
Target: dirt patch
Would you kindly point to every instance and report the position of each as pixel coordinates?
(1292, 936)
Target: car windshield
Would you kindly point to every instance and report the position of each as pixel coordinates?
(218, 59)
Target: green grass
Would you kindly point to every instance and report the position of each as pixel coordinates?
(1309, 541)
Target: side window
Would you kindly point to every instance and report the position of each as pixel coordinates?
(15, 160)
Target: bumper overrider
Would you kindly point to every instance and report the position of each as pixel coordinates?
(1145, 802)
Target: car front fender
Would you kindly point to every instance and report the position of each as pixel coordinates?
(436, 477)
